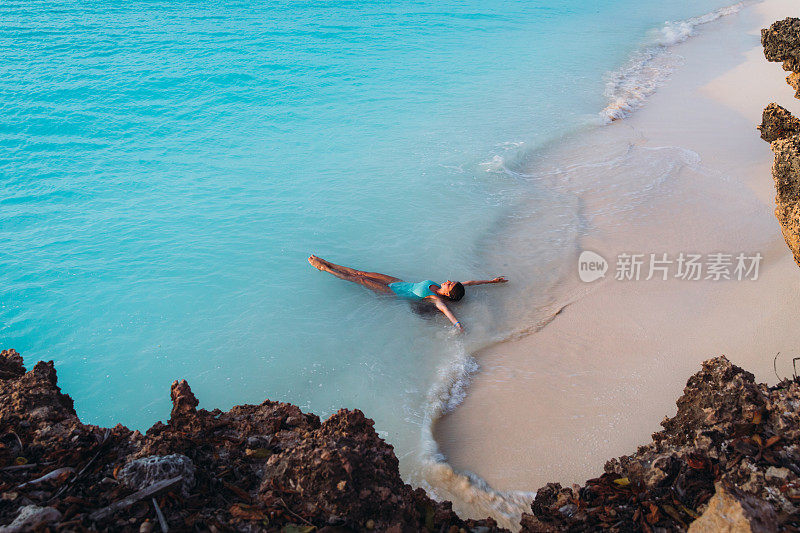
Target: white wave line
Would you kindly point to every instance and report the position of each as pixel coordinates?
(629, 86)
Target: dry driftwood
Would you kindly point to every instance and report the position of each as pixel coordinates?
(47, 477)
(161, 520)
(14, 468)
(146, 492)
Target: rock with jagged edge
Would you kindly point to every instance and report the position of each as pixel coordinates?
(731, 511)
(781, 43)
(252, 468)
(729, 432)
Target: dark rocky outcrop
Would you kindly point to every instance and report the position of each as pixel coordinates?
(781, 43)
(732, 452)
(778, 123)
(733, 510)
(254, 468)
(729, 458)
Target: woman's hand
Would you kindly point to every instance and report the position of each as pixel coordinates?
(459, 327)
(499, 279)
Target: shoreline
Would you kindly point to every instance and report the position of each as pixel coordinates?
(574, 376)
(273, 467)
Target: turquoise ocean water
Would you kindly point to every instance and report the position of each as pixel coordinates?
(167, 167)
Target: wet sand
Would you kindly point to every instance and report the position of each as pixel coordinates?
(592, 384)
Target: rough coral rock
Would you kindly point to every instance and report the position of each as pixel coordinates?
(781, 43)
(31, 517)
(729, 430)
(141, 473)
(184, 403)
(731, 511)
(270, 466)
(778, 123)
(786, 172)
(11, 364)
(267, 466)
(255, 468)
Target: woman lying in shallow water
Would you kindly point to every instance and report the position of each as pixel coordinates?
(428, 290)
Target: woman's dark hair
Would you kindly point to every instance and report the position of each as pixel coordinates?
(457, 292)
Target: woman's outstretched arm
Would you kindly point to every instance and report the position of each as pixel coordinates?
(499, 279)
(441, 306)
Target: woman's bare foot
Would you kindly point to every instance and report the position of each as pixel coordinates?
(316, 262)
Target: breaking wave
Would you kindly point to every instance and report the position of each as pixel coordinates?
(464, 488)
(628, 87)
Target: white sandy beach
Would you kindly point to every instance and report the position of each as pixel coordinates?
(555, 404)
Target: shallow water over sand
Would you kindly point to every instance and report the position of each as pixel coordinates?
(687, 173)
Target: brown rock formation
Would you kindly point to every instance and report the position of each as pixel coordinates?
(781, 43)
(254, 468)
(730, 457)
(786, 172)
(11, 364)
(731, 511)
(729, 432)
(184, 403)
(778, 123)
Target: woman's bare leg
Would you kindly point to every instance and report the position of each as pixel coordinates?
(372, 280)
(380, 278)
(327, 266)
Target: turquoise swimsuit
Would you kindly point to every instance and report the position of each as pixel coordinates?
(413, 291)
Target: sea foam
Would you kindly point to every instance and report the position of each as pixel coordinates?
(628, 87)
